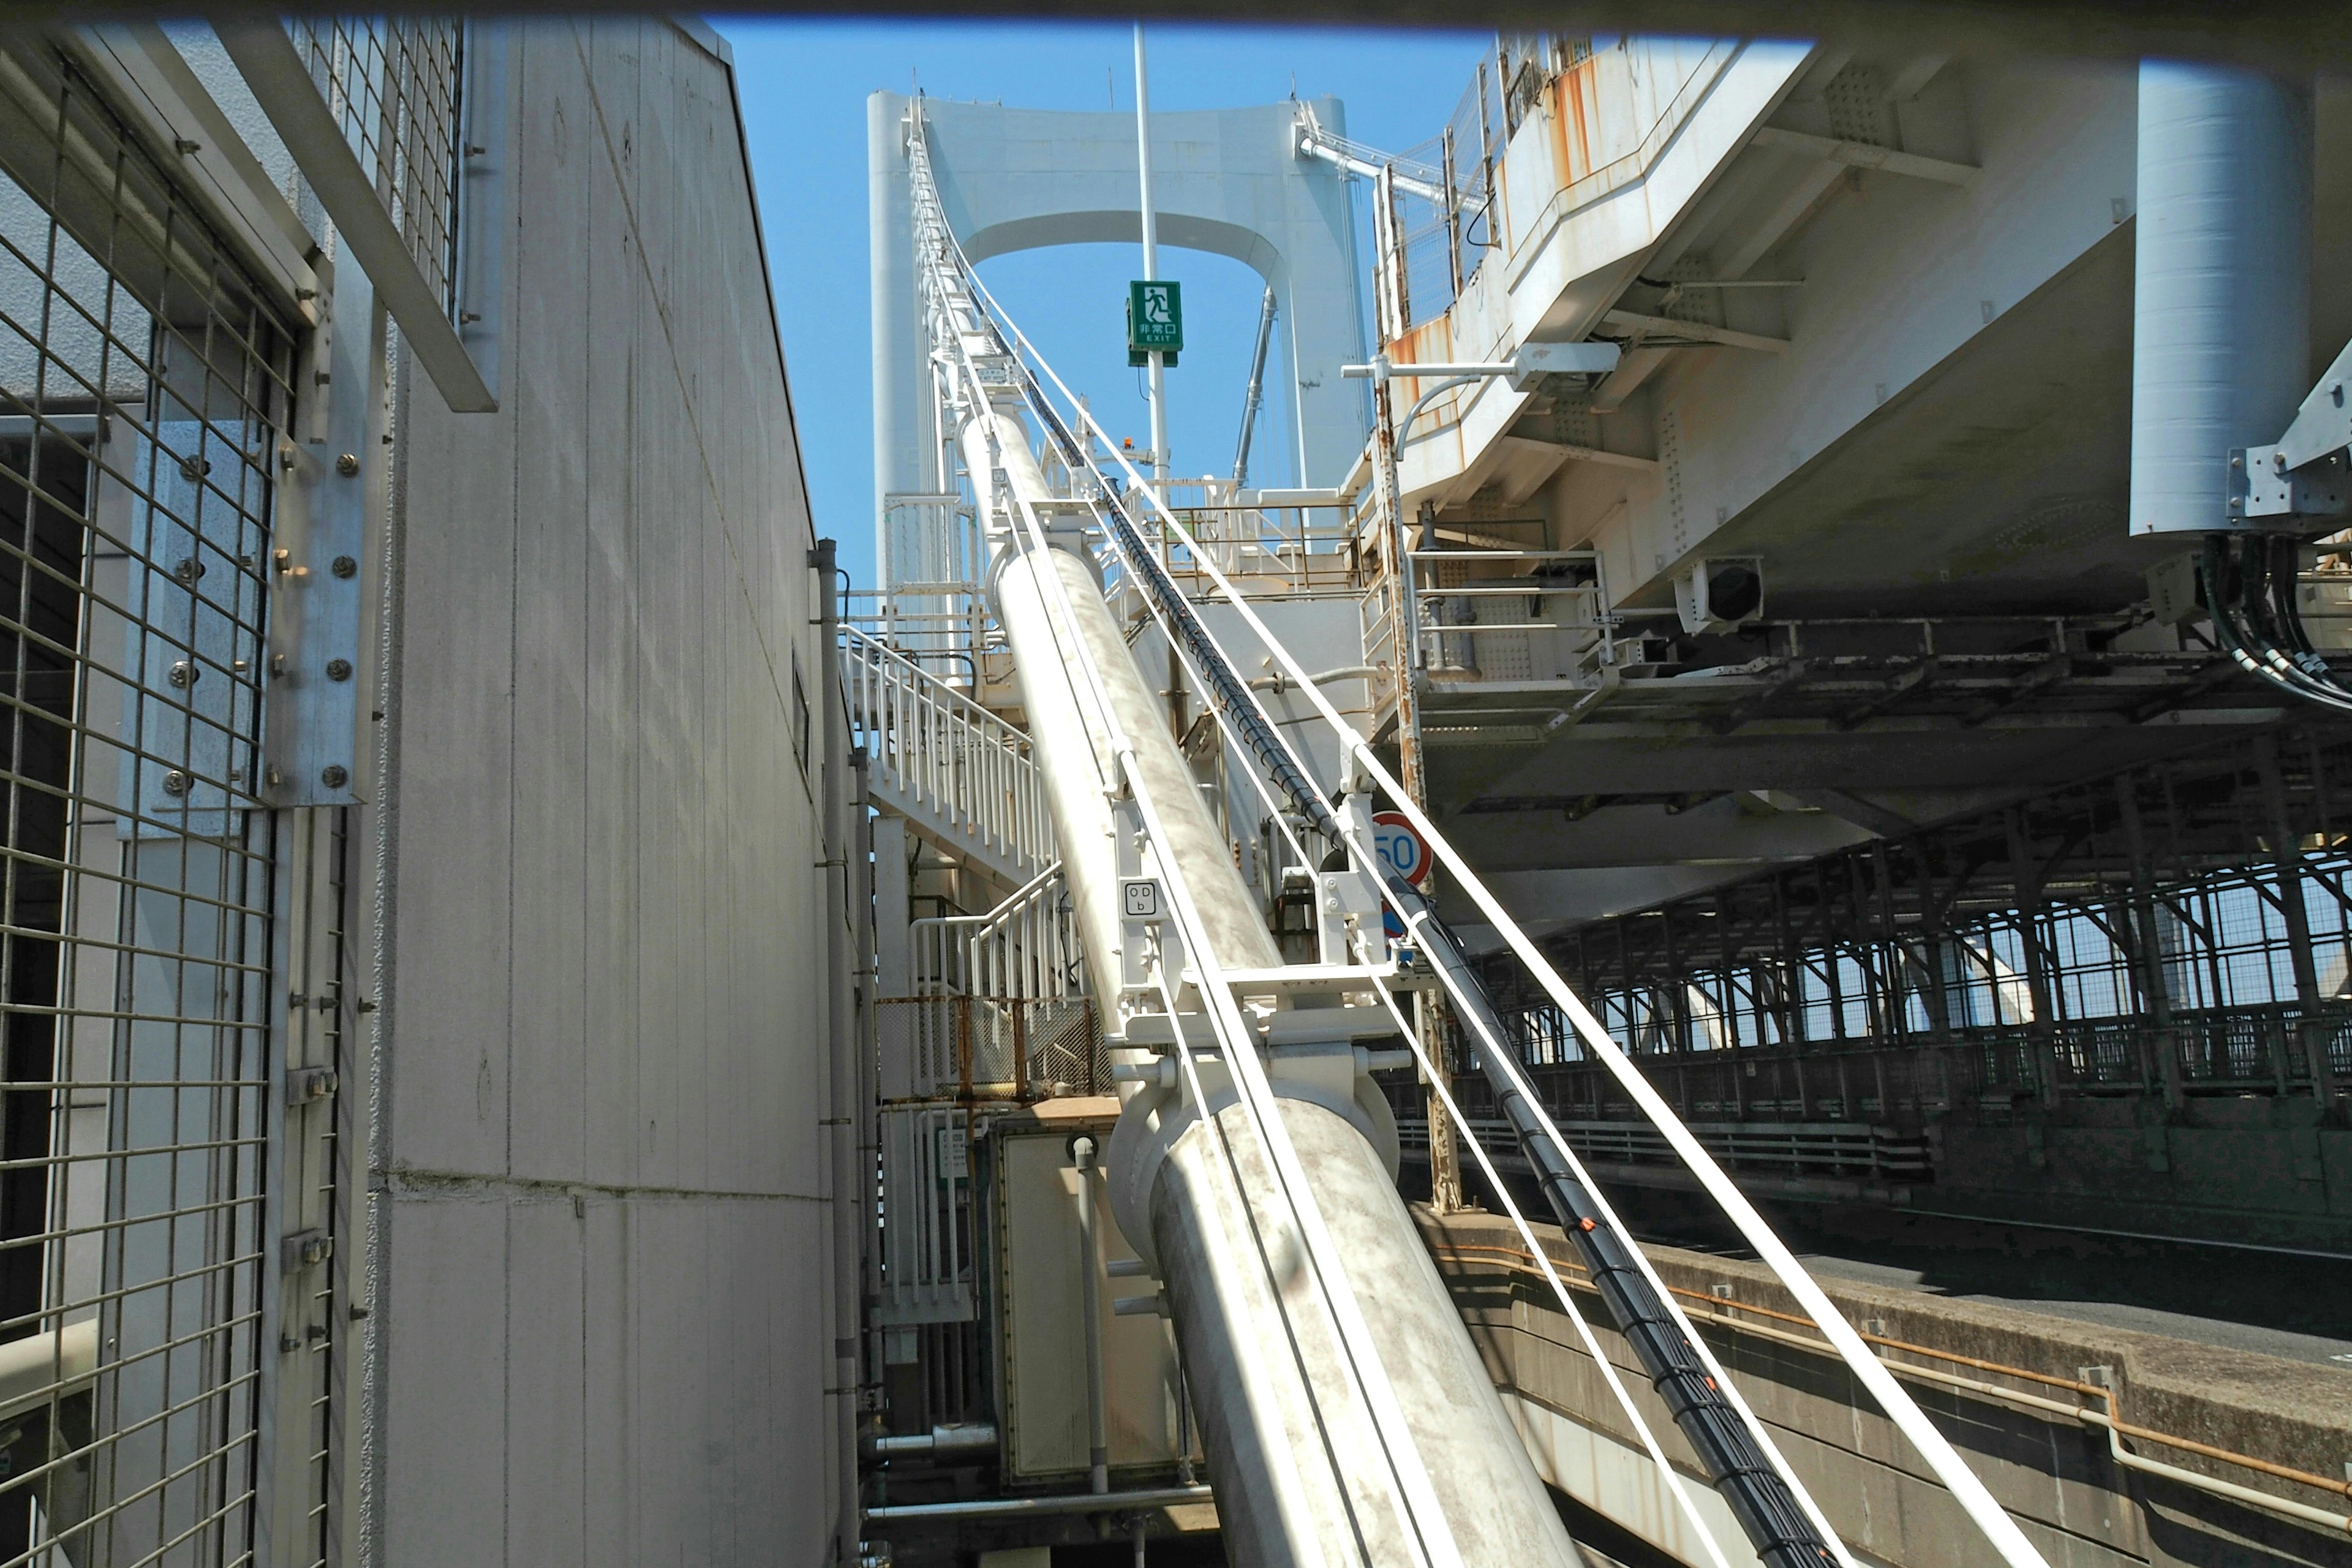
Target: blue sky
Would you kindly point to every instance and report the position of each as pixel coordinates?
(805, 85)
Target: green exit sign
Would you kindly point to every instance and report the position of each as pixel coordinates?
(1155, 317)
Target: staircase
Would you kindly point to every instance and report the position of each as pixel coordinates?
(960, 774)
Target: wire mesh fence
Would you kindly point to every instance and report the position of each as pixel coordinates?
(142, 389)
(393, 84)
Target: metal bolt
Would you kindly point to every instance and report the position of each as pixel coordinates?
(184, 673)
(176, 783)
(348, 464)
(339, 669)
(193, 469)
(334, 777)
(187, 569)
(344, 566)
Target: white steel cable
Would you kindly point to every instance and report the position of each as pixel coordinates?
(1975, 1499)
(1969, 1489)
(1436, 1081)
(1424, 1520)
(1500, 1049)
(1673, 1482)
(1364, 856)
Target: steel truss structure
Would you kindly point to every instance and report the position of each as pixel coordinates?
(2178, 930)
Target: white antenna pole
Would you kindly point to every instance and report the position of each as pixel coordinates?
(1151, 255)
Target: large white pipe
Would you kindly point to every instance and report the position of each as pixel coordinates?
(1292, 1452)
(2221, 307)
(1075, 749)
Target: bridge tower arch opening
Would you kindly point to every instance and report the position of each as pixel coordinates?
(1228, 182)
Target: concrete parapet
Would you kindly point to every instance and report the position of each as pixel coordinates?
(2001, 1382)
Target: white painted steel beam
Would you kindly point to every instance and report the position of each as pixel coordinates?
(1668, 326)
(1808, 190)
(1862, 156)
(149, 75)
(281, 83)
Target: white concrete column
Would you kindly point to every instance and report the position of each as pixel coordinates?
(2222, 310)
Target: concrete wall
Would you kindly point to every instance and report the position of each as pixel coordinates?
(599, 1235)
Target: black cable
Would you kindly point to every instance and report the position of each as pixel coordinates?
(2286, 571)
(1775, 1523)
(2231, 591)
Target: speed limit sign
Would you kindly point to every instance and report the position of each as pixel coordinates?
(1401, 849)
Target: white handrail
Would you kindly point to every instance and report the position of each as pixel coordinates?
(942, 759)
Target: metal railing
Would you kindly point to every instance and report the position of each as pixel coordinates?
(1272, 549)
(1011, 1048)
(999, 1023)
(1026, 946)
(2224, 1051)
(944, 762)
(1851, 1149)
(1512, 614)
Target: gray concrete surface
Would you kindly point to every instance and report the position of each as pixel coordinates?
(600, 1221)
(2054, 1474)
(2326, 1350)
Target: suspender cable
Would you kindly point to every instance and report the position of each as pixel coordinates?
(1784, 1530)
(1713, 1393)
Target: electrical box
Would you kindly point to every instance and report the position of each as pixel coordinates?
(1718, 593)
(1038, 1295)
(1534, 362)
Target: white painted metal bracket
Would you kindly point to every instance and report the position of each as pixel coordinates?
(2264, 489)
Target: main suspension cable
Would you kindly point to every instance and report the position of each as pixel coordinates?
(1967, 1487)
